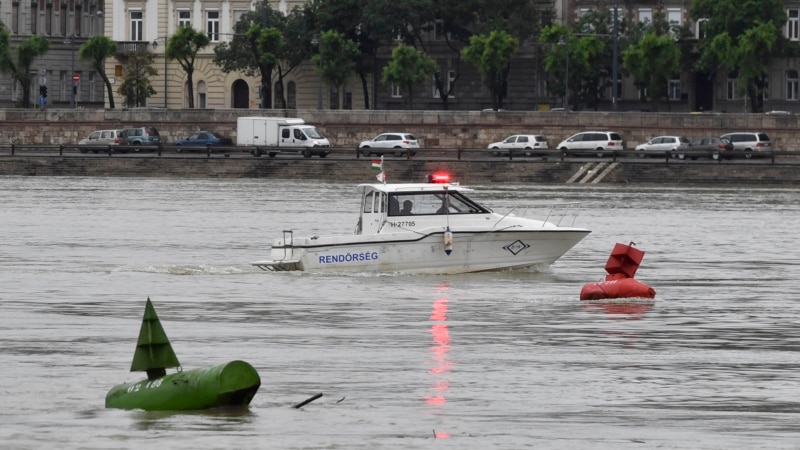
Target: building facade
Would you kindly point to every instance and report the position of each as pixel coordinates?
(146, 25)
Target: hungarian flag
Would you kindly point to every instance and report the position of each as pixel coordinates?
(377, 165)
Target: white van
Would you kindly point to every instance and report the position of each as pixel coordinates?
(592, 143)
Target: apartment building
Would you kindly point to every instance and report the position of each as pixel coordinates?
(145, 26)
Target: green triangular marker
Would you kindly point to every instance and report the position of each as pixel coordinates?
(153, 353)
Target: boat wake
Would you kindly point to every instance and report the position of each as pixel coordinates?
(195, 269)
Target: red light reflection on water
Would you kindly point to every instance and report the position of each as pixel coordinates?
(441, 365)
(620, 310)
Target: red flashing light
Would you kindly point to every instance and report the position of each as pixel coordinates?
(439, 177)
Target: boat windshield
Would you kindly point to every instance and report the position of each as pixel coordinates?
(430, 203)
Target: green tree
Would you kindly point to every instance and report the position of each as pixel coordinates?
(742, 37)
(27, 51)
(95, 51)
(336, 59)
(491, 54)
(653, 61)
(135, 87)
(183, 46)
(407, 68)
(589, 70)
(266, 41)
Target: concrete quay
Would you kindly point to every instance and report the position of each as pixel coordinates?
(481, 170)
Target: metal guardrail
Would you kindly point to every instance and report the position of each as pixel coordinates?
(208, 151)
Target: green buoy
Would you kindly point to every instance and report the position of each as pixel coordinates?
(231, 384)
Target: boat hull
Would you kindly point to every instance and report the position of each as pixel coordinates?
(425, 253)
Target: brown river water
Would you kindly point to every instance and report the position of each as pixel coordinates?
(502, 360)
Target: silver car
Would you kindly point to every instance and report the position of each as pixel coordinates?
(395, 143)
(104, 138)
(749, 144)
(526, 144)
(661, 145)
(592, 143)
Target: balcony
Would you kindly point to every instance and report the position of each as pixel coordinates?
(128, 47)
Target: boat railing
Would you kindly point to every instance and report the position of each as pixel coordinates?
(288, 243)
(563, 212)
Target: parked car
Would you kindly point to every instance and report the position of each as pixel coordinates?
(526, 144)
(142, 136)
(591, 143)
(711, 146)
(101, 138)
(396, 143)
(203, 138)
(749, 144)
(659, 146)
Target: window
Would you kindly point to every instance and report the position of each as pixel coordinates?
(15, 18)
(78, 16)
(397, 34)
(137, 26)
(201, 95)
(396, 91)
(619, 88)
(64, 86)
(793, 25)
(333, 99)
(34, 15)
(48, 19)
(765, 90)
(674, 89)
(212, 25)
(438, 30)
(792, 84)
(731, 88)
(237, 15)
(348, 100)
(675, 20)
(62, 20)
(646, 15)
(291, 95)
(184, 18)
(700, 31)
(643, 93)
(451, 78)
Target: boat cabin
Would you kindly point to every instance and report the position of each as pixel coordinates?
(406, 202)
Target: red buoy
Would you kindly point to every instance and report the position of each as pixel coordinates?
(619, 283)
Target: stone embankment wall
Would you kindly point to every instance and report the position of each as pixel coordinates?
(475, 171)
(434, 129)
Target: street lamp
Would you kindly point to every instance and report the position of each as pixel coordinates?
(155, 46)
(563, 41)
(316, 42)
(615, 56)
(71, 42)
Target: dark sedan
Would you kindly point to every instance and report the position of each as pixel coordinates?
(204, 138)
(707, 146)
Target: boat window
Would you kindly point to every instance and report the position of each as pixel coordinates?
(432, 203)
(368, 199)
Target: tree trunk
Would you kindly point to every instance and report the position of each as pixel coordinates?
(191, 88)
(365, 88)
(109, 89)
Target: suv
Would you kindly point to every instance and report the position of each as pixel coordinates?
(104, 138)
(143, 136)
(748, 143)
(592, 143)
(520, 143)
(397, 143)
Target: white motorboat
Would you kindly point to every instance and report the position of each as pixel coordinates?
(427, 228)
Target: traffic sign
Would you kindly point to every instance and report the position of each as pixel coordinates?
(76, 77)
